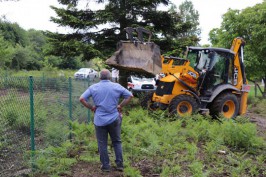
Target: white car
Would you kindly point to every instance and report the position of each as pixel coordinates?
(138, 85)
(86, 73)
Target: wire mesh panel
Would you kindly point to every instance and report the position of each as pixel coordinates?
(55, 103)
(51, 108)
(79, 86)
(14, 124)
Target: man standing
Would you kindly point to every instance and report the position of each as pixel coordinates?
(107, 119)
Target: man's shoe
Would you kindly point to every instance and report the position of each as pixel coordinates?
(120, 168)
(105, 169)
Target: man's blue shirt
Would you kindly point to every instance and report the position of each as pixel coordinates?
(105, 95)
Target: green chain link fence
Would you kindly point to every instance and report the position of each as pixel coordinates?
(34, 114)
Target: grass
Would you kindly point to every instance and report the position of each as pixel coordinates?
(189, 146)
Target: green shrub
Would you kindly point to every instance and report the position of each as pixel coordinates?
(132, 172)
(55, 132)
(240, 135)
(16, 115)
(81, 133)
(196, 168)
(54, 160)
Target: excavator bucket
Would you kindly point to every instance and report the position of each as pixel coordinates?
(136, 55)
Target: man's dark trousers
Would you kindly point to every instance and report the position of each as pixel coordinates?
(114, 130)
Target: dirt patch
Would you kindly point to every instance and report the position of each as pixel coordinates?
(260, 122)
(85, 169)
(258, 119)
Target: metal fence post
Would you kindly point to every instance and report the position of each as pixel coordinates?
(32, 122)
(70, 104)
(89, 112)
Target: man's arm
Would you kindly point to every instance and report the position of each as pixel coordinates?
(86, 104)
(123, 103)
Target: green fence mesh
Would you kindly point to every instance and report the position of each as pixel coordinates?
(55, 103)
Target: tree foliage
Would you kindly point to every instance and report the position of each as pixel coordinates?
(5, 51)
(13, 33)
(191, 17)
(96, 32)
(20, 49)
(249, 24)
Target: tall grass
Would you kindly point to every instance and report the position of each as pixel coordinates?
(189, 146)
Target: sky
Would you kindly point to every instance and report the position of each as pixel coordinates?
(36, 13)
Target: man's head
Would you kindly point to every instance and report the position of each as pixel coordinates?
(105, 74)
(211, 54)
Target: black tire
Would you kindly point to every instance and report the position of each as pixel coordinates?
(146, 101)
(183, 105)
(226, 105)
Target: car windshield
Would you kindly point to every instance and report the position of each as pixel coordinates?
(83, 69)
(200, 59)
(142, 79)
(147, 79)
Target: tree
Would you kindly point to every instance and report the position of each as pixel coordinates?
(191, 17)
(249, 24)
(13, 33)
(97, 32)
(188, 31)
(37, 45)
(21, 49)
(20, 58)
(5, 51)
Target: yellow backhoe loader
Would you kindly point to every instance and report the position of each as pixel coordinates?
(208, 79)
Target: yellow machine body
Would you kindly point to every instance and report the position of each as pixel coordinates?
(184, 79)
(181, 72)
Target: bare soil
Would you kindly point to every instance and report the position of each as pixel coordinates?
(84, 169)
(260, 122)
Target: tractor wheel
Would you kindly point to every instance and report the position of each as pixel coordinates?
(226, 105)
(146, 101)
(183, 105)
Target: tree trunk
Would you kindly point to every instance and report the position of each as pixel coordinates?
(123, 75)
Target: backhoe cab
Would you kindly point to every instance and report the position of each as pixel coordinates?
(211, 79)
